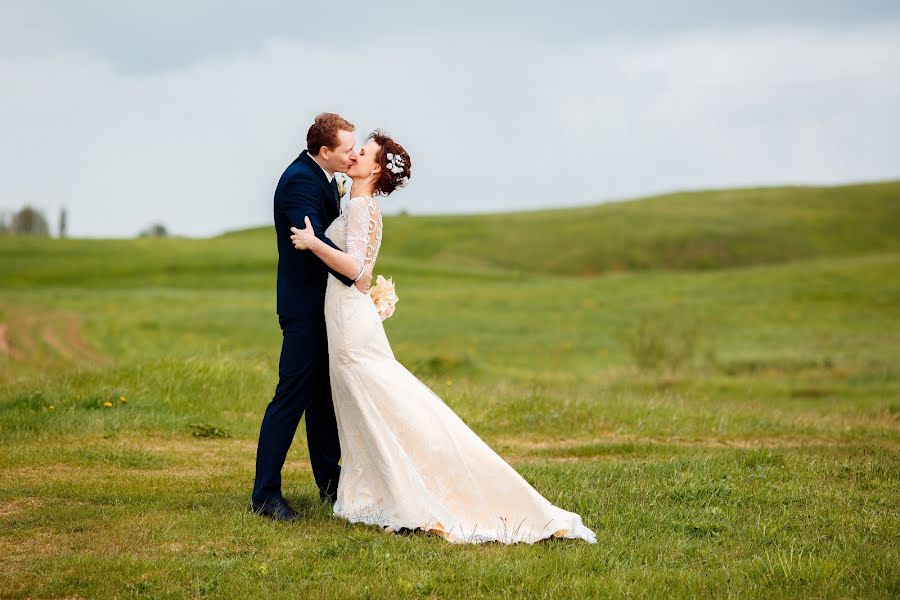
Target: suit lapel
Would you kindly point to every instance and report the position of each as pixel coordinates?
(330, 196)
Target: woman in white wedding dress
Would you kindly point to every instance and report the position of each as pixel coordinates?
(408, 461)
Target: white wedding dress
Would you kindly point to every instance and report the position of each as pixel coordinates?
(407, 459)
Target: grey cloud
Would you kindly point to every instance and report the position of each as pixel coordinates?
(495, 119)
(166, 34)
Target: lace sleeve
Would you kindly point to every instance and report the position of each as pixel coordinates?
(363, 230)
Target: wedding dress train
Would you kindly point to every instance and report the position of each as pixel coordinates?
(407, 459)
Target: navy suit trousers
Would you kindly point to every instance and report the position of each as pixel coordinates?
(303, 386)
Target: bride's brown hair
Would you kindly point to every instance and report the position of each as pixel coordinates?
(388, 181)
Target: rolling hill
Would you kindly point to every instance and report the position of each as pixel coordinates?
(688, 230)
(683, 231)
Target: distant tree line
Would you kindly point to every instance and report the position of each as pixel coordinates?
(27, 221)
(31, 221)
(157, 230)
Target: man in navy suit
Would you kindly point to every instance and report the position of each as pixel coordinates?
(307, 188)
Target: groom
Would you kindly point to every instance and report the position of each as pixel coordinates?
(306, 188)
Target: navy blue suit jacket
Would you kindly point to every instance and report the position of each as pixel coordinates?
(304, 191)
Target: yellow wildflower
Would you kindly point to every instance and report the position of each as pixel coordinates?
(107, 403)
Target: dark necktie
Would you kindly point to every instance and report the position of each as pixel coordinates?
(337, 198)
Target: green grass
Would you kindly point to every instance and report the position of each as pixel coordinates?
(710, 379)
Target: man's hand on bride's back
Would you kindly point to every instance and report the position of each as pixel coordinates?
(365, 280)
(303, 238)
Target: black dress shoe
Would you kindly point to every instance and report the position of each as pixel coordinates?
(275, 508)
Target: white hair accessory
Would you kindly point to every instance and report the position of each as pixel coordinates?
(395, 163)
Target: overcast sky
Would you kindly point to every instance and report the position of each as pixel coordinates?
(187, 112)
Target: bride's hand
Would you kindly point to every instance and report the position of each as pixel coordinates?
(303, 238)
(365, 280)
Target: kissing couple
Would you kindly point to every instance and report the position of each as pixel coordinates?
(384, 448)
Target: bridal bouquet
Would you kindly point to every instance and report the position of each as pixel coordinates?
(384, 296)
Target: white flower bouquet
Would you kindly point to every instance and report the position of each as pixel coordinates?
(384, 296)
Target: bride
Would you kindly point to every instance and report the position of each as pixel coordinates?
(408, 461)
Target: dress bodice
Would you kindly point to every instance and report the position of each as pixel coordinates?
(357, 230)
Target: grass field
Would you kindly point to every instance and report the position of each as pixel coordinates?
(710, 379)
